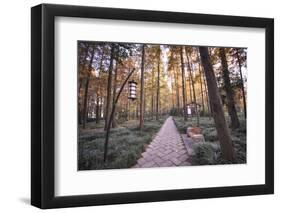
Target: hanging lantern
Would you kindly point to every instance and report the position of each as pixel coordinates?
(132, 90)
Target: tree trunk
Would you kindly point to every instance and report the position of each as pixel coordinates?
(189, 79)
(100, 98)
(101, 60)
(158, 85)
(152, 94)
(207, 97)
(152, 106)
(173, 100)
(183, 86)
(114, 89)
(144, 102)
(229, 92)
(193, 88)
(177, 88)
(137, 111)
(100, 107)
(80, 120)
(215, 101)
(104, 109)
(109, 87)
(86, 89)
(85, 100)
(89, 108)
(142, 89)
(190, 89)
(98, 110)
(80, 110)
(201, 84)
(242, 84)
(128, 105)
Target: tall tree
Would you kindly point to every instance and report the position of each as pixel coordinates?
(176, 76)
(142, 88)
(183, 85)
(173, 100)
(83, 52)
(200, 80)
(115, 86)
(173, 72)
(99, 83)
(109, 86)
(152, 93)
(190, 88)
(215, 101)
(229, 92)
(158, 82)
(192, 83)
(207, 97)
(85, 116)
(242, 82)
(98, 109)
(128, 117)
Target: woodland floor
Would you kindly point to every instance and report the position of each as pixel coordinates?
(159, 144)
(209, 153)
(125, 147)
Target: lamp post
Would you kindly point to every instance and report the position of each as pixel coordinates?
(133, 95)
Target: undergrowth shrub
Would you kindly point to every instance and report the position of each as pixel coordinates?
(209, 152)
(124, 148)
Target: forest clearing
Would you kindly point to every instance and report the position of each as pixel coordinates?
(159, 105)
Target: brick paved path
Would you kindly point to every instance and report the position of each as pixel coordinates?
(166, 149)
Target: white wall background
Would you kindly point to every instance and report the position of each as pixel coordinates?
(15, 105)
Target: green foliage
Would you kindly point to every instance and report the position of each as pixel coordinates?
(125, 146)
(176, 112)
(181, 124)
(205, 123)
(209, 153)
(205, 153)
(210, 134)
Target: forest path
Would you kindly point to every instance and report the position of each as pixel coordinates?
(166, 149)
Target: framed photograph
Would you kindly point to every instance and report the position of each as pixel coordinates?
(139, 106)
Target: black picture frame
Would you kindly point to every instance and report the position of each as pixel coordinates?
(43, 117)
